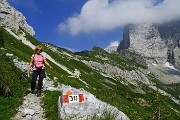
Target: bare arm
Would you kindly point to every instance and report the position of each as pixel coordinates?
(48, 64)
(29, 67)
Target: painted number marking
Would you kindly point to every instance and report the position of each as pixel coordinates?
(73, 98)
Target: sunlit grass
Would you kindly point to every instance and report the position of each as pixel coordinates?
(50, 104)
(117, 94)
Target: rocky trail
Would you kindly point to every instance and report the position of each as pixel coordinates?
(31, 108)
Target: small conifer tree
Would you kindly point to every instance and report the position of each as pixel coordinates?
(159, 108)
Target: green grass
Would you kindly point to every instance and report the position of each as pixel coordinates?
(16, 47)
(50, 104)
(114, 59)
(107, 115)
(116, 94)
(8, 106)
(12, 87)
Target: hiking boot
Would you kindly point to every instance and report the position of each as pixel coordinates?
(38, 93)
(32, 92)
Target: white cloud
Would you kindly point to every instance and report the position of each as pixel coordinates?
(105, 15)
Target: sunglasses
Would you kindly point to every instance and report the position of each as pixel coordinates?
(39, 49)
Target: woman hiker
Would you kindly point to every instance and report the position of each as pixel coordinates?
(38, 61)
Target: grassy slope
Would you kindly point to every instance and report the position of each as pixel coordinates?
(10, 78)
(118, 95)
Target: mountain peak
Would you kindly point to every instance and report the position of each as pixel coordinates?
(112, 47)
(158, 43)
(13, 19)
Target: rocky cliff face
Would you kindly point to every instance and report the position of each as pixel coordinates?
(158, 43)
(170, 32)
(11, 18)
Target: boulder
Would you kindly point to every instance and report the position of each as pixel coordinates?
(86, 108)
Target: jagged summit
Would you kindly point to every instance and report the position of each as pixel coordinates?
(111, 48)
(158, 43)
(13, 19)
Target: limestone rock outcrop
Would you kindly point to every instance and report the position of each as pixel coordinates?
(86, 109)
(13, 19)
(158, 43)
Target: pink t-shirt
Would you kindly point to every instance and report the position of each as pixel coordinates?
(38, 61)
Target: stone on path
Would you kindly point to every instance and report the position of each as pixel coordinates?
(30, 109)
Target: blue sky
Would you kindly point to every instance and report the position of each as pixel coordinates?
(81, 24)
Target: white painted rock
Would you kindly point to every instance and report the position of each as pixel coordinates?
(75, 109)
